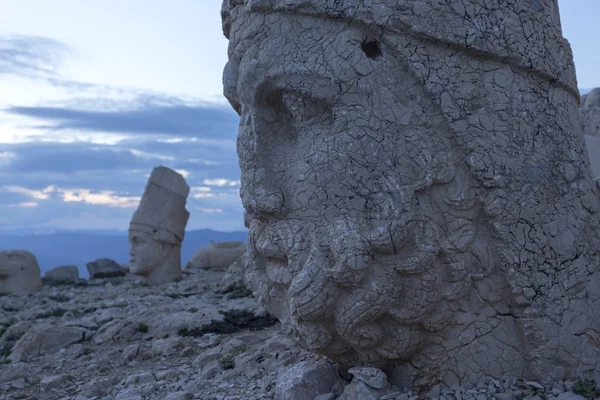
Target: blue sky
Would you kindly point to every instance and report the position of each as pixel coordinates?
(93, 94)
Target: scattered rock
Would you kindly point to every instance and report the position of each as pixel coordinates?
(44, 339)
(104, 268)
(217, 255)
(306, 380)
(61, 275)
(373, 377)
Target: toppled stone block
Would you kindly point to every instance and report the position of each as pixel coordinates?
(61, 275)
(104, 268)
(44, 339)
(217, 255)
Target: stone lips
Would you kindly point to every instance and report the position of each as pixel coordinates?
(536, 45)
(162, 212)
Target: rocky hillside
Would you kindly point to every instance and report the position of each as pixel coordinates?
(204, 337)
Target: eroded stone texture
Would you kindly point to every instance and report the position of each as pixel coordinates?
(590, 112)
(417, 185)
(593, 149)
(19, 272)
(157, 228)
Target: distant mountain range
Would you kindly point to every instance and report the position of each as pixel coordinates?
(80, 247)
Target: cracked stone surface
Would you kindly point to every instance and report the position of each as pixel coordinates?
(19, 272)
(416, 184)
(593, 149)
(157, 228)
(590, 112)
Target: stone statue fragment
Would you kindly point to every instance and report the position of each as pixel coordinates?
(19, 272)
(418, 192)
(217, 255)
(590, 112)
(157, 228)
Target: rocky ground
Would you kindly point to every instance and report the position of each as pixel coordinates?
(201, 338)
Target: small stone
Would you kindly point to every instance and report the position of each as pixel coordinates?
(338, 387)
(534, 385)
(97, 387)
(503, 396)
(18, 383)
(373, 377)
(358, 390)
(434, 392)
(326, 396)
(49, 382)
(179, 396)
(570, 396)
(305, 380)
(392, 396)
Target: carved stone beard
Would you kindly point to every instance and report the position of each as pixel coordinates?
(380, 291)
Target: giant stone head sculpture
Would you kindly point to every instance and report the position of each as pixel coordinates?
(19, 272)
(416, 184)
(157, 228)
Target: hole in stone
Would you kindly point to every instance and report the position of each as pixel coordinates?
(371, 49)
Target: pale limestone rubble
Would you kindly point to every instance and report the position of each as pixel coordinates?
(217, 255)
(418, 191)
(157, 228)
(19, 272)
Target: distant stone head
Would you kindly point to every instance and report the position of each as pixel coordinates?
(19, 272)
(157, 228)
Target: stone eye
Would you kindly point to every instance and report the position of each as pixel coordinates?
(306, 110)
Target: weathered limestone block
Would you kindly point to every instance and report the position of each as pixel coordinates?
(104, 268)
(157, 228)
(234, 276)
(19, 272)
(593, 149)
(417, 185)
(590, 112)
(217, 255)
(46, 339)
(62, 274)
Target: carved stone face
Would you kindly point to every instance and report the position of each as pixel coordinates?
(145, 253)
(417, 185)
(337, 165)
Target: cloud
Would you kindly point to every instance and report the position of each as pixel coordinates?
(209, 210)
(27, 204)
(220, 182)
(105, 197)
(32, 56)
(179, 119)
(42, 194)
(82, 159)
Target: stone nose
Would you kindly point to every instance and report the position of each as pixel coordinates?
(261, 189)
